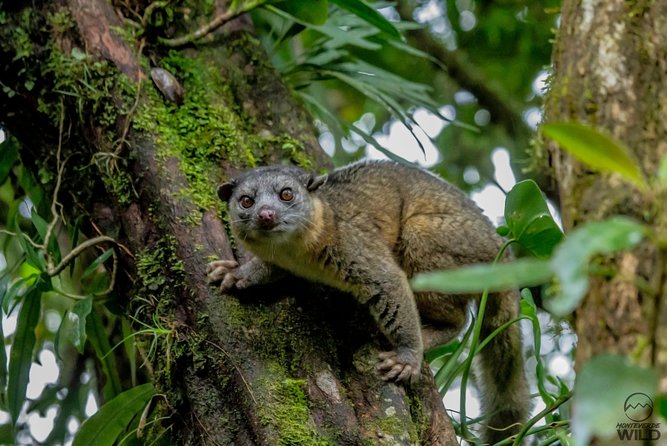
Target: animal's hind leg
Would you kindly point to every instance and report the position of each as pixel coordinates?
(443, 317)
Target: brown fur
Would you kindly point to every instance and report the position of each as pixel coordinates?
(367, 229)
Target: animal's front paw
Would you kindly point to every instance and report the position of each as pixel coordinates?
(401, 365)
(228, 272)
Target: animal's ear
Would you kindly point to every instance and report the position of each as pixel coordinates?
(313, 182)
(225, 190)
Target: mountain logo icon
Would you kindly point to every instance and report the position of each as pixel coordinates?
(638, 407)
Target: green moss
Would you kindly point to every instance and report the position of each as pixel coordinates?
(158, 270)
(16, 41)
(201, 132)
(61, 21)
(287, 410)
(280, 334)
(391, 429)
(419, 418)
(88, 83)
(119, 184)
(160, 276)
(292, 150)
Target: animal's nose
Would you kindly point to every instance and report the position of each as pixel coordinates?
(267, 215)
(267, 218)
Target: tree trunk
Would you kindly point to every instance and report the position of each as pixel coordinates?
(610, 71)
(291, 365)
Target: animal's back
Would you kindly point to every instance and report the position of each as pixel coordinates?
(426, 222)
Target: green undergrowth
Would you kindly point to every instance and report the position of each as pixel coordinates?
(159, 278)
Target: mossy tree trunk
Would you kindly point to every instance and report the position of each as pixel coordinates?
(610, 71)
(292, 364)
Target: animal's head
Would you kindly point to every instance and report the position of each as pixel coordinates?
(270, 203)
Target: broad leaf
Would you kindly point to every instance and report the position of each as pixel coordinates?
(477, 278)
(312, 11)
(442, 350)
(39, 223)
(571, 259)
(9, 151)
(15, 290)
(42, 227)
(529, 220)
(3, 353)
(661, 406)
(33, 257)
(75, 328)
(20, 358)
(98, 338)
(111, 420)
(370, 15)
(338, 37)
(96, 263)
(596, 149)
(610, 390)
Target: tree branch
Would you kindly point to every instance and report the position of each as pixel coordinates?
(217, 22)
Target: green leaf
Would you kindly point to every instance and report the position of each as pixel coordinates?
(312, 11)
(529, 220)
(477, 278)
(661, 405)
(98, 338)
(30, 185)
(529, 310)
(571, 259)
(503, 231)
(105, 427)
(337, 36)
(7, 434)
(9, 154)
(450, 370)
(445, 350)
(20, 358)
(74, 235)
(596, 149)
(610, 390)
(369, 15)
(368, 139)
(42, 227)
(33, 257)
(39, 223)
(130, 347)
(3, 352)
(96, 263)
(13, 291)
(76, 327)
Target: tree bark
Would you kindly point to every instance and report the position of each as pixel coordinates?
(293, 364)
(610, 72)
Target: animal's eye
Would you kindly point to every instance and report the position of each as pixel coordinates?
(286, 194)
(246, 202)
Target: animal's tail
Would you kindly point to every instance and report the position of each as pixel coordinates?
(505, 397)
